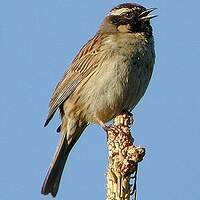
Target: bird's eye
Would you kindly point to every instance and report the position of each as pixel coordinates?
(128, 15)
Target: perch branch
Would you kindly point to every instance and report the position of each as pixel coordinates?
(123, 159)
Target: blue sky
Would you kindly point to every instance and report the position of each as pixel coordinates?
(38, 41)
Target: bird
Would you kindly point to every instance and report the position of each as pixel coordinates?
(109, 75)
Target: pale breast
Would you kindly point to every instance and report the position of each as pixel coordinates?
(119, 82)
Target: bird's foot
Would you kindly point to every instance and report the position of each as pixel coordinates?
(127, 112)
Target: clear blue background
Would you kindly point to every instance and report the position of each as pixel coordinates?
(38, 40)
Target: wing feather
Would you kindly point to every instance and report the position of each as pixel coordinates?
(82, 66)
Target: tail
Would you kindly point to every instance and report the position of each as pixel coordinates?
(53, 177)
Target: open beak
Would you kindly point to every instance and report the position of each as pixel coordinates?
(146, 15)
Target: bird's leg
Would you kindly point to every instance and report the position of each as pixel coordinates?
(107, 127)
(103, 125)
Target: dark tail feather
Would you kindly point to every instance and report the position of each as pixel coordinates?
(52, 179)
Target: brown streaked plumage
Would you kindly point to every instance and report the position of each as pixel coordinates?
(109, 74)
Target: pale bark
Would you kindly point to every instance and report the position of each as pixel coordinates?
(123, 159)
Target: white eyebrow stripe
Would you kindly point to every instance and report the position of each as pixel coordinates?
(120, 11)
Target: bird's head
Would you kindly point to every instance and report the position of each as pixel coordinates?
(128, 18)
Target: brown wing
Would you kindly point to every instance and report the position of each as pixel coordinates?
(83, 65)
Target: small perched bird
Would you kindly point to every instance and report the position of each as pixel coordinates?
(110, 74)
